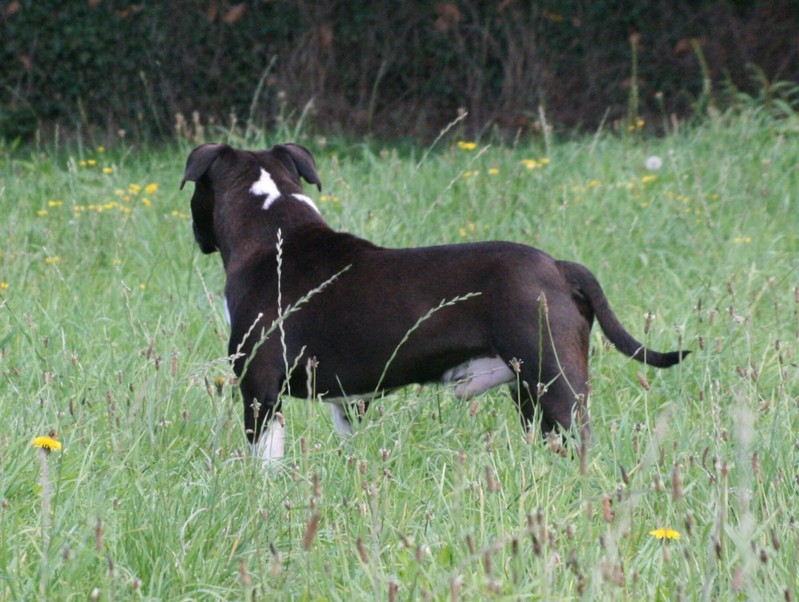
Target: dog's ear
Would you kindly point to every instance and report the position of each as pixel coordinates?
(200, 160)
(299, 161)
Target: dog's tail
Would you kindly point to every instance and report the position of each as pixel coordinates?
(588, 286)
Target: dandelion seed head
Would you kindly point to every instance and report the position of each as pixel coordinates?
(653, 163)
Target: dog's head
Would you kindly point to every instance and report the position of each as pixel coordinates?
(220, 172)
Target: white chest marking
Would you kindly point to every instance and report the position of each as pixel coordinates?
(478, 375)
(265, 186)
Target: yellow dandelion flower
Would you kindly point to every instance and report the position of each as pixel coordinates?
(41, 212)
(151, 188)
(545, 161)
(91, 162)
(54, 203)
(462, 232)
(464, 145)
(134, 189)
(147, 202)
(82, 163)
(531, 163)
(3, 285)
(47, 443)
(665, 534)
(493, 171)
(649, 178)
(52, 260)
(100, 149)
(108, 170)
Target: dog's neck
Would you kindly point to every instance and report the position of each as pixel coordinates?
(253, 224)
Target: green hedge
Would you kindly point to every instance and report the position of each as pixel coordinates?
(389, 68)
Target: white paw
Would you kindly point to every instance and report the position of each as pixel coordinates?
(270, 447)
(340, 419)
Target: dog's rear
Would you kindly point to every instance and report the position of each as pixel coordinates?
(587, 285)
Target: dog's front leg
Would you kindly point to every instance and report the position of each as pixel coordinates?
(341, 421)
(342, 411)
(264, 425)
(271, 444)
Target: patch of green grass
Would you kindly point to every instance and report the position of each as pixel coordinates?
(112, 335)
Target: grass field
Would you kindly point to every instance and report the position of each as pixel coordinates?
(113, 336)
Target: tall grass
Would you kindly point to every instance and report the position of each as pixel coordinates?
(112, 335)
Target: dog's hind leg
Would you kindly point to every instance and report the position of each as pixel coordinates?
(561, 406)
(563, 403)
(556, 390)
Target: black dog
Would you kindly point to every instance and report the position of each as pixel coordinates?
(314, 311)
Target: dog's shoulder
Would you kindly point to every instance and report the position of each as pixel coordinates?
(323, 243)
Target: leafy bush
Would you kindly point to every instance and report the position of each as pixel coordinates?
(387, 68)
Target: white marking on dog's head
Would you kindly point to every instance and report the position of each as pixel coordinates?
(265, 186)
(306, 200)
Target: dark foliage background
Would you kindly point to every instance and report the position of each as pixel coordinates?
(392, 69)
